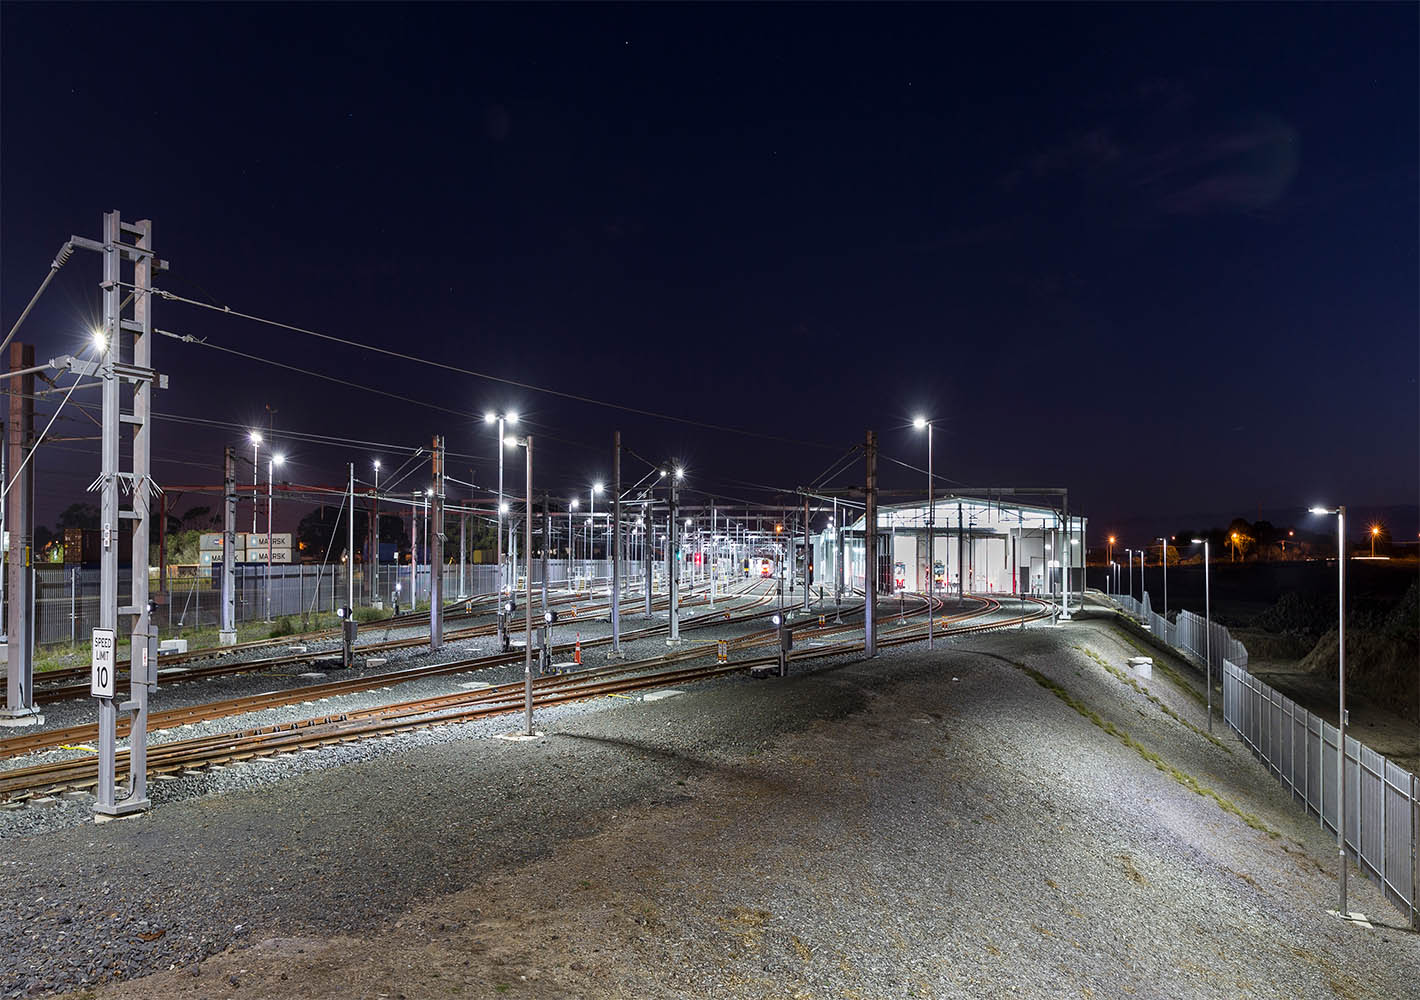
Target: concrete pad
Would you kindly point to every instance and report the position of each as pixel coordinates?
(1142, 665)
(172, 646)
(21, 718)
(475, 685)
(311, 675)
(168, 671)
(660, 695)
(520, 737)
(297, 649)
(376, 661)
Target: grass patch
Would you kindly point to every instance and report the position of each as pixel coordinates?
(1183, 778)
(1134, 683)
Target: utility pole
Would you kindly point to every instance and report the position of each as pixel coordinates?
(19, 669)
(138, 484)
(870, 546)
(350, 548)
(673, 558)
(527, 608)
(646, 554)
(615, 653)
(546, 539)
(228, 634)
(436, 564)
(375, 537)
(463, 551)
(806, 552)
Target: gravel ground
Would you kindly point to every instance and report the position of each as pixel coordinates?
(924, 824)
(175, 693)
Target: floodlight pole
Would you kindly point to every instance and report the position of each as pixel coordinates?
(1340, 513)
(350, 550)
(616, 546)
(527, 598)
(806, 552)
(1165, 543)
(502, 576)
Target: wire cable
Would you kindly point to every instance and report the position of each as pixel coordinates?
(229, 311)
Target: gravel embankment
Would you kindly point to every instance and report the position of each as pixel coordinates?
(922, 824)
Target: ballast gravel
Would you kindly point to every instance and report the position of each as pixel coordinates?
(979, 820)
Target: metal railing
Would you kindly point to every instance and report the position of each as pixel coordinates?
(1383, 799)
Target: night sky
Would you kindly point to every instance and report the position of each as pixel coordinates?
(1166, 257)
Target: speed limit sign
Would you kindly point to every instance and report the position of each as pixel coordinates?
(101, 680)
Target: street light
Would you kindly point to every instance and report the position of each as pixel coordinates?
(501, 419)
(255, 440)
(1109, 560)
(571, 537)
(1129, 561)
(1207, 627)
(270, 470)
(1235, 547)
(919, 423)
(1340, 513)
(1375, 530)
(1165, 543)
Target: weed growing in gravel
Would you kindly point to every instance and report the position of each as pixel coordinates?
(1186, 780)
(1132, 682)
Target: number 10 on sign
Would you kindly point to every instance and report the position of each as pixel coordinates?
(101, 681)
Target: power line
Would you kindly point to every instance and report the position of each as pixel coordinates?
(229, 311)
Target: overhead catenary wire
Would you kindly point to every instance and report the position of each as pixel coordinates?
(229, 311)
(59, 261)
(42, 433)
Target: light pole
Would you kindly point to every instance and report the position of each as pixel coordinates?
(1108, 560)
(592, 527)
(1165, 543)
(920, 423)
(571, 538)
(501, 419)
(427, 494)
(270, 470)
(1375, 530)
(1207, 626)
(1129, 562)
(375, 543)
(255, 439)
(1340, 513)
(527, 443)
(1234, 557)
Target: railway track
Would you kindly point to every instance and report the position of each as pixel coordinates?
(181, 756)
(81, 734)
(80, 689)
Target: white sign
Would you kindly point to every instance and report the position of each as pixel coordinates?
(280, 540)
(101, 681)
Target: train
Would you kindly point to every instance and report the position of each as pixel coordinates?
(763, 567)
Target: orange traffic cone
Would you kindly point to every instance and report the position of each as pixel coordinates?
(577, 652)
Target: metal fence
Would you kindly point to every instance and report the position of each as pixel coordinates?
(67, 598)
(1383, 799)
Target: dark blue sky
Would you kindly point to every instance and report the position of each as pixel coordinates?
(1166, 257)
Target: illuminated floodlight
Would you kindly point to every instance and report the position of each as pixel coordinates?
(919, 422)
(1319, 510)
(1111, 539)
(679, 472)
(510, 440)
(429, 492)
(254, 437)
(687, 522)
(490, 417)
(100, 341)
(377, 465)
(1197, 541)
(278, 459)
(596, 487)
(503, 508)
(574, 503)
(663, 473)
(512, 419)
